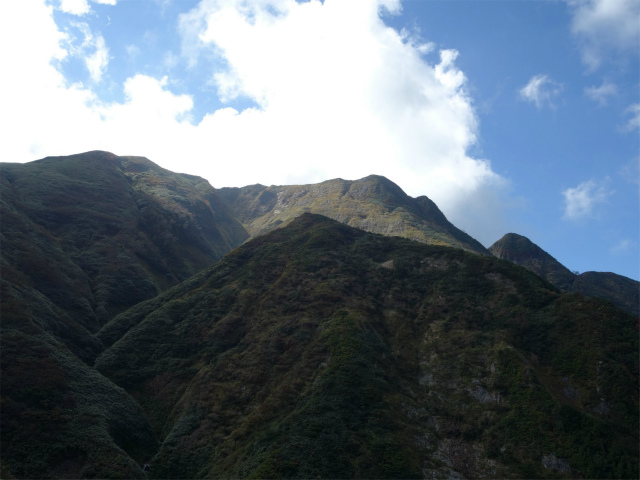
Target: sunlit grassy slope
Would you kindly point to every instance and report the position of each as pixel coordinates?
(373, 203)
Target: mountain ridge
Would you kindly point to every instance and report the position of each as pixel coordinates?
(373, 203)
(622, 291)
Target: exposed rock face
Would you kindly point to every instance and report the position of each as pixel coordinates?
(622, 291)
(551, 462)
(374, 204)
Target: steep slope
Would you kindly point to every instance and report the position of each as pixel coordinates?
(622, 291)
(322, 350)
(83, 238)
(61, 418)
(522, 251)
(374, 204)
(96, 233)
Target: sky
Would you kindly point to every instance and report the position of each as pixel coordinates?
(512, 115)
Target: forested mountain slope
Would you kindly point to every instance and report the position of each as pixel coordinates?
(322, 350)
(83, 238)
(315, 349)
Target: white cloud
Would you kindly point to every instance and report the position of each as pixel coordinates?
(634, 121)
(81, 7)
(541, 91)
(602, 93)
(75, 7)
(582, 201)
(92, 49)
(98, 61)
(605, 26)
(338, 94)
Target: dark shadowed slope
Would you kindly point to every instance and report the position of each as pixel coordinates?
(322, 350)
(95, 234)
(622, 291)
(522, 251)
(83, 238)
(374, 204)
(61, 418)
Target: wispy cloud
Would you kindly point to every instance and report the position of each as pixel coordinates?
(602, 93)
(582, 201)
(541, 90)
(133, 52)
(633, 121)
(605, 27)
(91, 48)
(623, 246)
(98, 61)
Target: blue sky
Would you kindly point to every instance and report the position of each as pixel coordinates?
(513, 116)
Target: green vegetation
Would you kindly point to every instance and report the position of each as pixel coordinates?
(373, 204)
(623, 292)
(318, 349)
(60, 418)
(314, 350)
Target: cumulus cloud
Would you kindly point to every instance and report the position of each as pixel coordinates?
(582, 201)
(541, 90)
(602, 93)
(605, 26)
(337, 93)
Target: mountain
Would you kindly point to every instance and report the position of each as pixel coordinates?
(137, 326)
(374, 204)
(115, 230)
(84, 238)
(622, 291)
(322, 350)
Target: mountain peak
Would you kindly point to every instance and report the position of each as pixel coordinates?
(522, 251)
(373, 203)
(622, 291)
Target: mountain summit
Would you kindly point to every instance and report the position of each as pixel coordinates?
(522, 251)
(622, 291)
(374, 204)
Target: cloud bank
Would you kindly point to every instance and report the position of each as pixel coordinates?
(337, 93)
